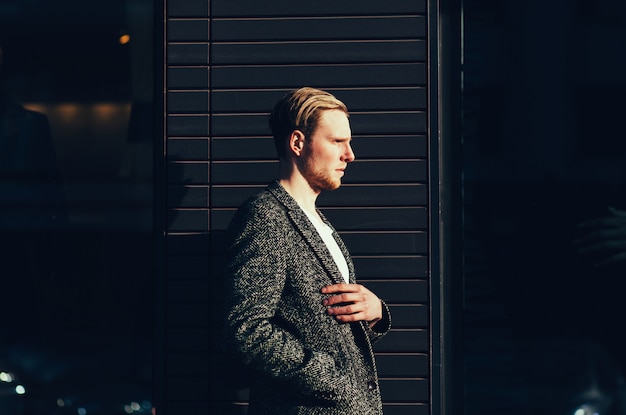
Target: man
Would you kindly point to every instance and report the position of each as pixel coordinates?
(294, 314)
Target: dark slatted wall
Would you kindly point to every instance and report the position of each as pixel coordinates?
(227, 62)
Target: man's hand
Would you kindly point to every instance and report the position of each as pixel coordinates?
(352, 302)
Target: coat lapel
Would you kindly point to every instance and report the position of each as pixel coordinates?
(311, 236)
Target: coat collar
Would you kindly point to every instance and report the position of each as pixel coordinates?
(310, 234)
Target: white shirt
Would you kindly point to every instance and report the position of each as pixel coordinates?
(326, 233)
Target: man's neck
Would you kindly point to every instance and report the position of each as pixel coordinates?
(301, 191)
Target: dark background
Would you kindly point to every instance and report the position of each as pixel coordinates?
(544, 150)
(76, 260)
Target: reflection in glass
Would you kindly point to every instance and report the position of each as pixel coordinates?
(76, 134)
(545, 196)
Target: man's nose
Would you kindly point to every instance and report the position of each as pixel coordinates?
(349, 154)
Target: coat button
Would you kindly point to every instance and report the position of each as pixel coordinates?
(371, 385)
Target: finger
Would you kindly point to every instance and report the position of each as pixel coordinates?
(348, 309)
(344, 298)
(355, 312)
(349, 314)
(339, 288)
(350, 318)
(367, 308)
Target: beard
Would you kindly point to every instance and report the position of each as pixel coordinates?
(318, 179)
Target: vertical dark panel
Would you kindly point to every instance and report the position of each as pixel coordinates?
(446, 225)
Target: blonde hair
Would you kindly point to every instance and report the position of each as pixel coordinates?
(300, 110)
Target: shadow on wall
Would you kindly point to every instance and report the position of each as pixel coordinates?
(229, 380)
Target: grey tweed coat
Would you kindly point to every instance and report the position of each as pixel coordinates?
(303, 361)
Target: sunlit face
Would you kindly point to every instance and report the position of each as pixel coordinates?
(327, 151)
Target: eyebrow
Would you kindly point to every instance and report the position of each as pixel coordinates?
(341, 138)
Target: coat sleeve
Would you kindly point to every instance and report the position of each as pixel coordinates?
(382, 327)
(256, 271)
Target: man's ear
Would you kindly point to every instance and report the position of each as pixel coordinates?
(296, 142)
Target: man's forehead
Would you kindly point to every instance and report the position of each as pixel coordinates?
(335, 120)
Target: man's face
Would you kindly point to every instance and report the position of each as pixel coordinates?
(327, 152)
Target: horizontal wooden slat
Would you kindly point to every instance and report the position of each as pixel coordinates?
(384, 99)
(336, 52)
(402, 194)
(234, 148)
(187, 8)
(412, 218)
(389, 146)
(188, 149)
(180, 196)
(360, 171)
(411, 365)
(403, 341)
(188, 125)
(188, 78)
(411, 122)
(409, 317)
(188, 173)
(243, 172)
(352, 219)
(386, 171)
(309, 28)
(400, 292)
(409, 218)
(232, 197)
(244, 8)
(394, 267)
(188, 54)
(194, 30)
(404, 390)
(321, 76)
(387, 194)
(386, 243)
(357, 99)
(187, 220)
(188, 102)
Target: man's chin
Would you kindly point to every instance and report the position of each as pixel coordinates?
(333, 185)
(326, 187)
